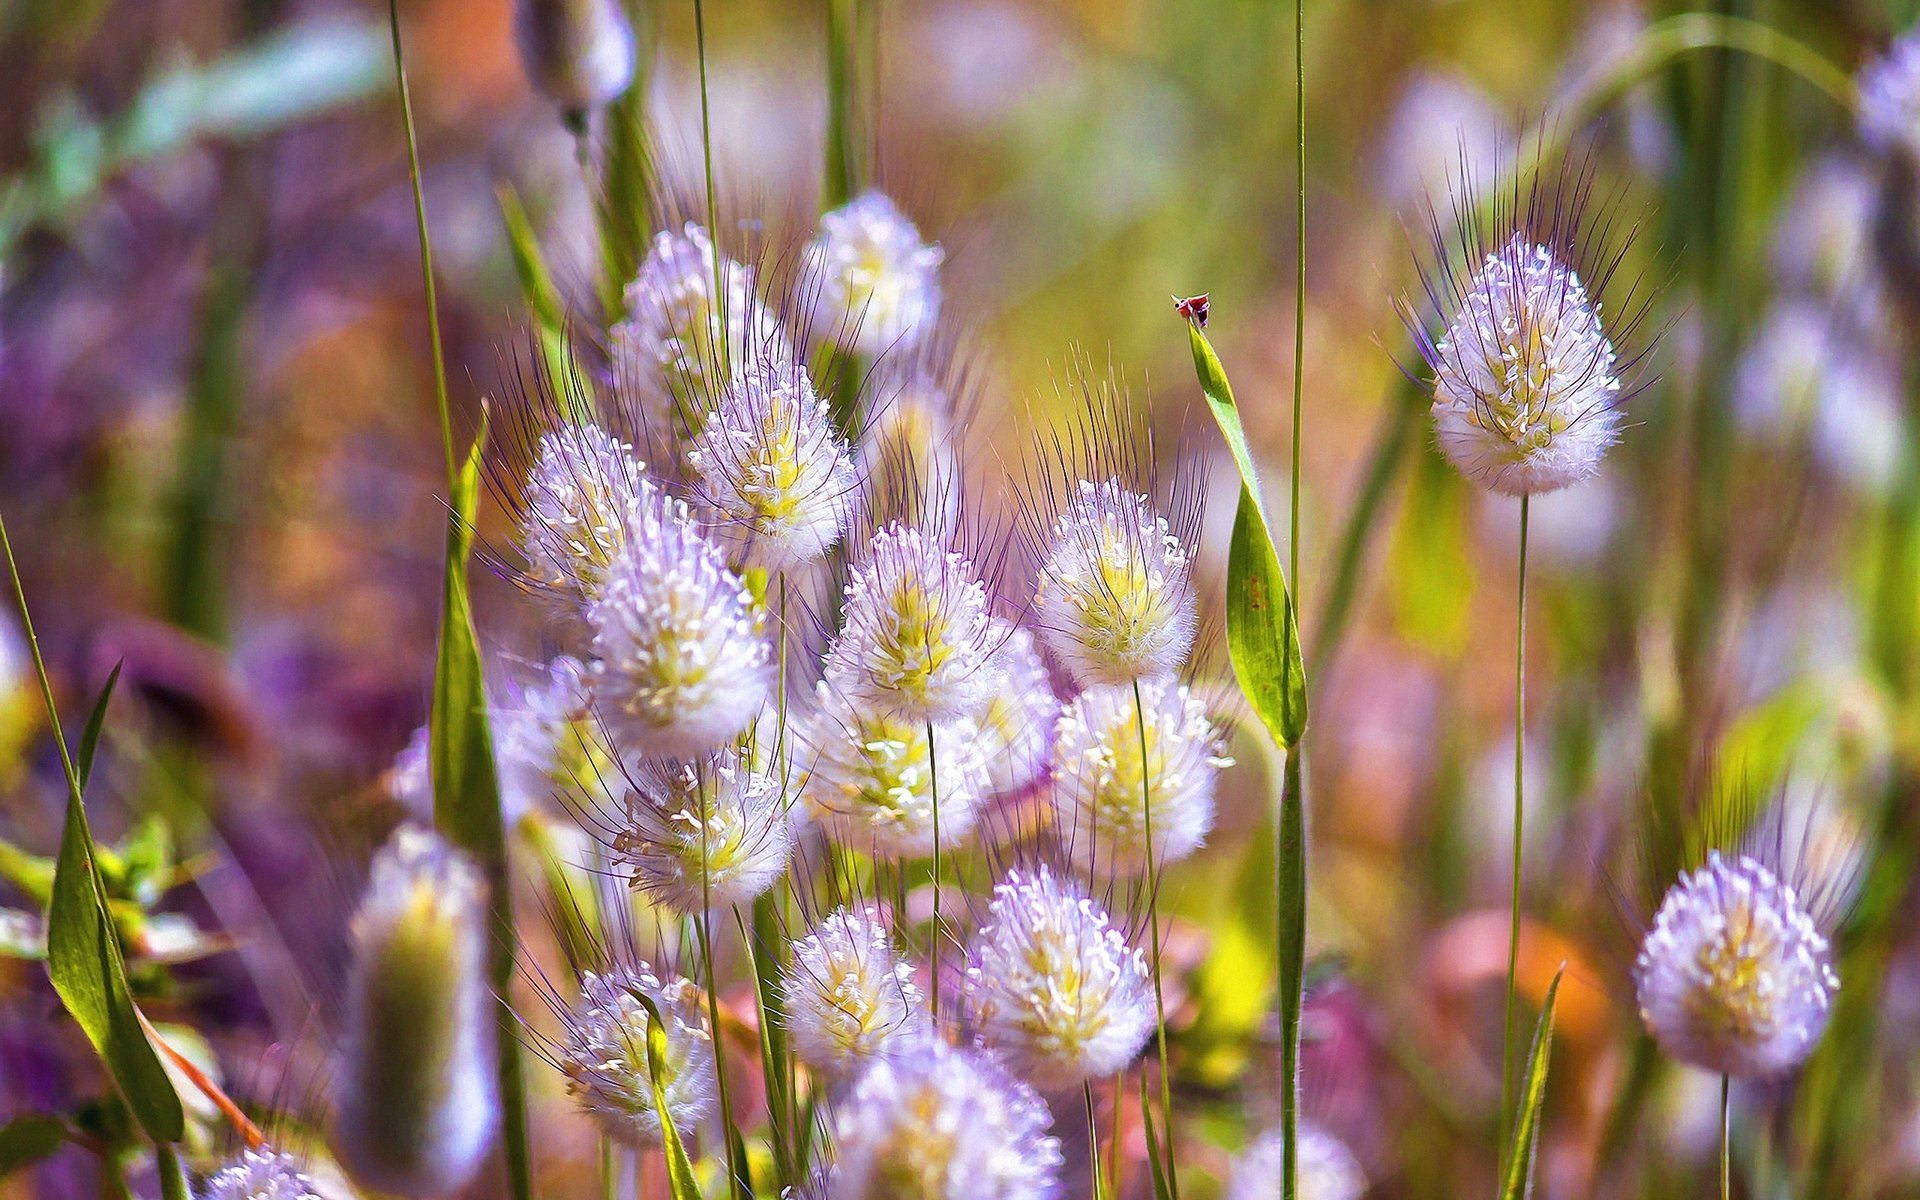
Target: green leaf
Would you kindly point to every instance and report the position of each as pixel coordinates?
(26, 1140)
(96, 721)
(1518, 1179)
(681, 1183)
(549, 314)
(623, 183)
(1431, 577)
(1263, 634)
(1162, 1188)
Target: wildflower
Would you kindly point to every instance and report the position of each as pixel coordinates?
(262, 1174)
(1053, 987)
(706, 833)
(917, 638)
(847, 996)
(684, 660)
(1114, 600)
(936, 1123)
(1735, 976)
(1889, 90)
(604, 1055)
(1526, 381)
(1324, 1168)
(772, 468)
(869, 278)
(414, 1106)
(1107, 799)
(872, 776)
(1016, 728)
(578, 52)
(1802, 375)
(585, 498)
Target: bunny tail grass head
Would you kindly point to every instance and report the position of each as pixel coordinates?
(848, 996)
(1053, 987)
(706, 833)
(585, 496)
(1527, 381)
(578, 53)
(1100, 799)
(260, 1174)
(1735, 976)
(871, 284)
(414, 1104)
(934, 1123)
(603, 1053)
(1327, 1169)
(1016, 727)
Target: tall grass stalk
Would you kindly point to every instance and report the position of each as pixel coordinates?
(1726, 1140)
(1153, 925)
(1290, 869)
(1519, 817)
(933, 949)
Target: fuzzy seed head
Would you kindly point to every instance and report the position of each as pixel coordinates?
(1890, 98)
(847, 996)
(771, 466)
(1016, 728)
(703, 834)
(263, 1174)
(1735, 977)
(1326, 1169)
(909, 463)
(1526, 391)
(871, 278)
(586, 497)
(604, 1055)
(579, 53)
(550, 744)
(414, 1101)
(872, 776)
(918, 632)
(936, 1123)
(1053, 987)
(1102, 785)
(1115, 601)
(684, 662)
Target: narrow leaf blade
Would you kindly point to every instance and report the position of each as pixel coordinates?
(681, 1183)
(96, 721)
(1518, 1181)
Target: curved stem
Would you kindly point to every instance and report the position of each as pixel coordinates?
(1519, 817)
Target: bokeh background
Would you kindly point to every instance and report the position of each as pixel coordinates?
(219, 463)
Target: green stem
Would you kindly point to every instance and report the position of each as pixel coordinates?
(772, 1039)
(933, 950)
(735, 1153)
(1093, 1143)
(609, 1173)
(426, 244)
(1726, 1140)
(719, 308)
(839, 183)
(1153, 924)
(1291, 878)
(173, 1181)
(1519, 817)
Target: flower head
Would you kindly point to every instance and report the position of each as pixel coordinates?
(683, 660)
(1326, 1169)
(1053, 986)
(1889, 87)
(910, 467)
(847, 996)
(917, 638)
(1114, 600)
(1107, 795)
(604, 1054)
(1016, 727)
(874, 777)
(1527, 385)
(585, 498)
(870, 279)
(1735, 976)
(262, 1174)
(703, 833)
(770, 465)
(578, 52)
(936, 1123)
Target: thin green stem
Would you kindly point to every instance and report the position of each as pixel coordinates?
(1726, 1140)
(173, 1182)
(1093, 1143)
(729, 1132)
(426, 243)
(933, 952)
(1519, 818)
(1291, 872)
(609, 1173)
(1153, 924)
(1299, 287)
(771, 1051)
(719, 306)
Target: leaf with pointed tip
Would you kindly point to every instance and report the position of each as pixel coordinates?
(1518, 1182)
(96, 721)
(681, 1182)
(1162, 1188)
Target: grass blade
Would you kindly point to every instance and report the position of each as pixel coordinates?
(1156, 1154)
(623, 185)
(681, 1183)
(1517, 1183)
(96, 721)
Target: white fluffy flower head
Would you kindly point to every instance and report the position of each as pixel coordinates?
(936, 1123)
(1114, 600)
(873, 776)
(1102, 785)
(848, 997)
(1016, 727)
(1735, 976)
(684, 662)
(918, 632)
(604, 1054)
(870, 278)
(585, 498)
(702, 834)
(263, 1174)
(1526, 386)
(1053, 986)
(770, 464)
(1327, 1170)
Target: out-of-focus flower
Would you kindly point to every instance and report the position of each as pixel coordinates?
(1440, 122)
(935, 1123)
(909, 467)
(683, 660)
(604, 1054)
(771, 467)
(1735, 977)
(1134, 783)
(1803, 373)
(1016, 727)
(1889, 104)
(917, 632)
(263, 1174)
(868, 280)
(578, 52)
(703, 834)
(873, 776)
(1115, 600)
(1326, 1169)
(1820, 242)
(414, 1107)
(847, 996)
(1053, 986)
